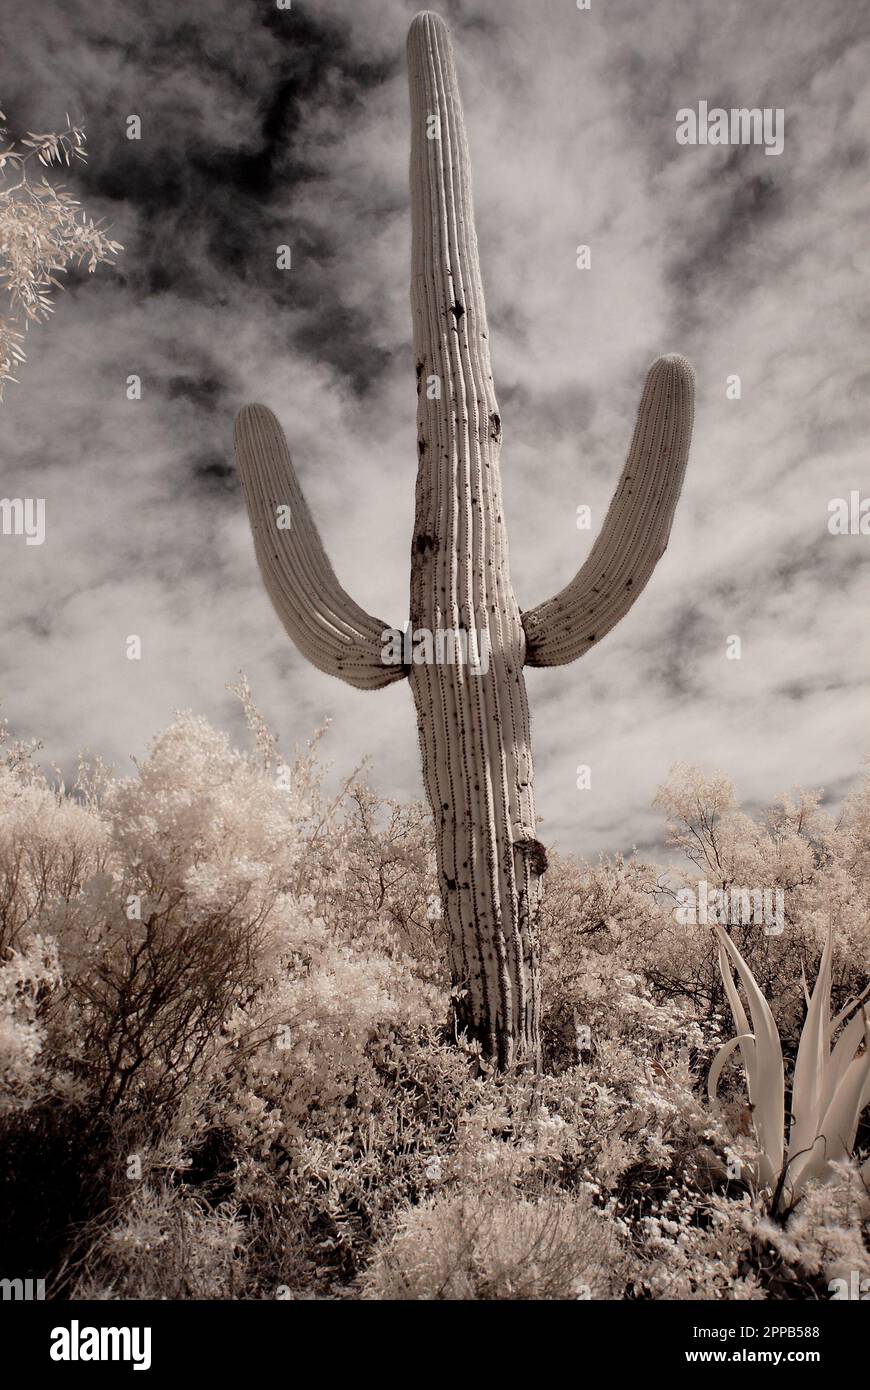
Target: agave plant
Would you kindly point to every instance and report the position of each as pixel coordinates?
(830, 1087)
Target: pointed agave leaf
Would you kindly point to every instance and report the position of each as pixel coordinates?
(836, 1137)
(721, 1058)
(768, 1081)
(865, 1095)
(847, 1009)
(737, 1009)
(847, 1045)
(840, 1122)
(812, 1059)
(804, 986)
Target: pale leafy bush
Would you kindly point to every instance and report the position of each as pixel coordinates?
(42, 231)
(158, 949)
(820, 866)
(615, 919)
(478, 1247)
(383, 886)
(26, 979)
(168, 1245)
(50, 846)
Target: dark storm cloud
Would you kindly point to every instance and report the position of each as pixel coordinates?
(742, 199)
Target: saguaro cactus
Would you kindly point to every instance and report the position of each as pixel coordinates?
(473, 718)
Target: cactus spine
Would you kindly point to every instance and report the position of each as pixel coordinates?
(473, 719)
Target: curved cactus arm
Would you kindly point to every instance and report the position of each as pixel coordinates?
(336, 635)
(635, 531)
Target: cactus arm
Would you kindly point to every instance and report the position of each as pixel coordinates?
(635, 531)
(333, 632)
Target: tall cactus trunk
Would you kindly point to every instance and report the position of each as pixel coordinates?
(466, 673)
(473, 722)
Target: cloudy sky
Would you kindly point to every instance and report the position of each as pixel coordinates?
(262, 127)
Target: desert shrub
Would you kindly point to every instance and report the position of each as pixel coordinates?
(27, 978)
(166, 1245)
(43, 230)
(227, 1071)
(383, 886)
(338, 1132)
(476, 1246)
(50, 846)
(596, 923)
(157, 950)
(796, 847)
(146, 915)
(826, 1238)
